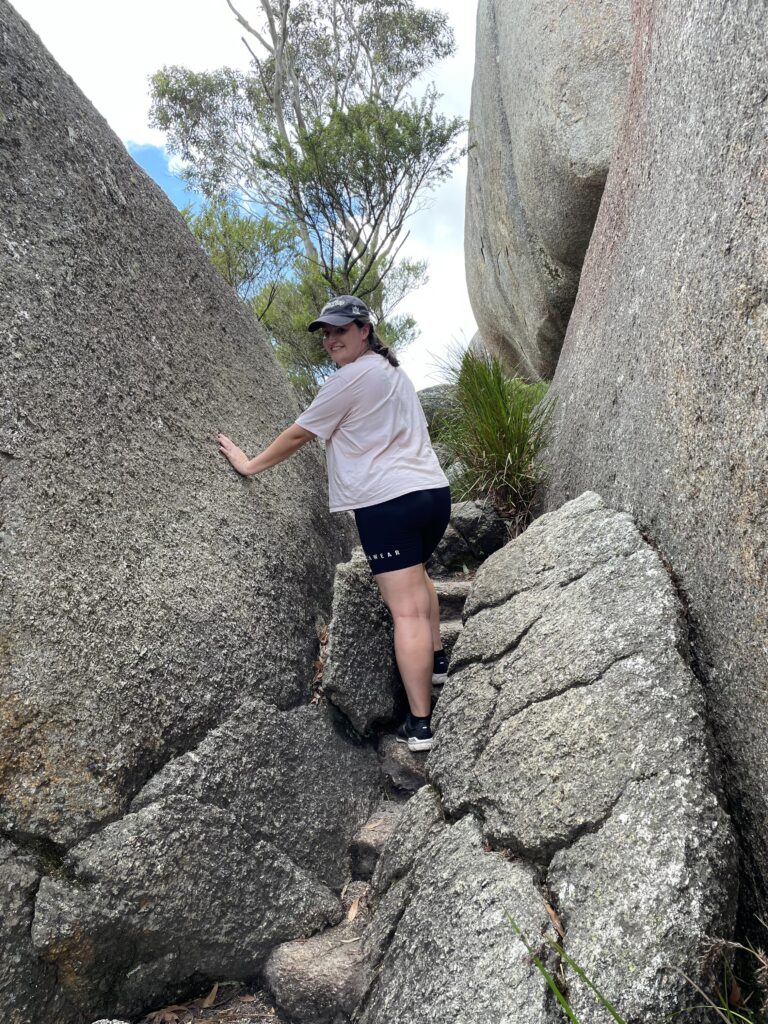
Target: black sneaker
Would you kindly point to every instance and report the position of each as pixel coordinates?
(416, 732)
(439, 669)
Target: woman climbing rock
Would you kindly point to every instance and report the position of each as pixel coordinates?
(382, 467)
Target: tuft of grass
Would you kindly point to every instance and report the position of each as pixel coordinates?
(492, 433)
(729, 1004)
(555, 988)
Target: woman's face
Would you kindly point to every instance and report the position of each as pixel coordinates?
(344, 344)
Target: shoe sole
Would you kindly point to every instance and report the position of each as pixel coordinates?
(414, 744)
(439, 678)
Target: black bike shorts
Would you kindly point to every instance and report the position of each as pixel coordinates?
(403, 531)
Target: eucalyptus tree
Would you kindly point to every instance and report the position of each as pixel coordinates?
(327, 132)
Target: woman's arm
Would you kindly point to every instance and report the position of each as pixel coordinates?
(281, 448)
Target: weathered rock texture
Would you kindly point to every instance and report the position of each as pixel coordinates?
(662, 388)
(436, 402)
(293, 778)
(319, 980)
(148, 592)
(28, 987)
(475, 531)
(547, 100)
(360, 675)
(367, 845)
(441, 941)
(214, 904)
(571, 738)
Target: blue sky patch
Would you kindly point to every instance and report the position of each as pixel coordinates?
(154, 160)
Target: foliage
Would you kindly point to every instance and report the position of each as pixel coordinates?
(493, 433)
(252, 254)
(295, 303)
(322, 133)
(356, 179)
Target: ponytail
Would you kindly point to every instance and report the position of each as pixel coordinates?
(377, 345)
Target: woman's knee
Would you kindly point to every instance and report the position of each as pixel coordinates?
(406, 598)
(408, 610)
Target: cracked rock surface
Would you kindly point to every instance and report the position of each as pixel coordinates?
(661, 391)
(168, 896)
(148, 589)
(153, 602)
(294, 778)
(28, 989)
(638, 896)
(571, 739)
(452, 954)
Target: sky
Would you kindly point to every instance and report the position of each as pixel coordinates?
(111, 49)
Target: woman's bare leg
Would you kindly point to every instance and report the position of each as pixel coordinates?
(434, 614)
(408, 597)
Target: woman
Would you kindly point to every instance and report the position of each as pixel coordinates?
(382, 467)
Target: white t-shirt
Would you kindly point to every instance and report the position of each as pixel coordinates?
(377, 443)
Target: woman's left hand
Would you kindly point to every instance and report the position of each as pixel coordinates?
(236, 457)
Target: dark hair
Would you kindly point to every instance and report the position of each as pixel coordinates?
(376, 344)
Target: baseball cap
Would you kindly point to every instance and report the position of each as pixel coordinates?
(341, 310)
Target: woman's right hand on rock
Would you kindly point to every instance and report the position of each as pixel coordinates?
(234, 455)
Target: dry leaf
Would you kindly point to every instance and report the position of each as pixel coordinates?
(211, 997)
(247, 999)
(352, 912)
(375, 824)
(556, 923)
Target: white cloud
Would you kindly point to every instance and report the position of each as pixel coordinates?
(110, 50)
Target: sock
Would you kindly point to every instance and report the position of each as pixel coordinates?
(414, 720)
(440, 664)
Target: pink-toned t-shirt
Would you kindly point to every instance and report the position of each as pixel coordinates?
(377, 443)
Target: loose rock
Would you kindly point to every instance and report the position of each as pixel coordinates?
(360, 675)
(403, 768)
(368, 843)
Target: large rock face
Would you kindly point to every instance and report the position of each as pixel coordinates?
(547, 99)
(662, 388)
(442, 939)
(214, 903)
(149, 594)
(571, 761)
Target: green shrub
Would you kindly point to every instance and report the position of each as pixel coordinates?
(492, 433)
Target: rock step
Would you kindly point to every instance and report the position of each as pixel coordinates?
(368, 843)
(403, 769)
(451, 594)
(449, 631)
(320, 980)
